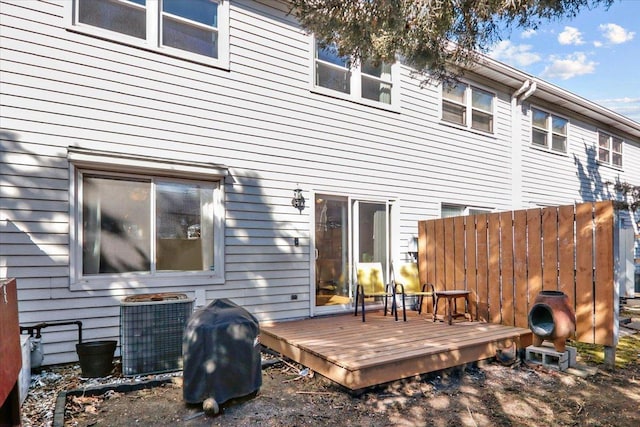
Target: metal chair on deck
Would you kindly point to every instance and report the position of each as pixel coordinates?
(370, 284)
(406, 282)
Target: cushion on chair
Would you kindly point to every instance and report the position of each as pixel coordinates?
(371, 278)
(406, 274)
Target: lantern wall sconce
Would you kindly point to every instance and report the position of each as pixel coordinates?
(298, 200)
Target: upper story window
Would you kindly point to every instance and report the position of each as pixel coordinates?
(609, 149)
(548, 130)
(468, 106)
(194, 29)
(368, 82)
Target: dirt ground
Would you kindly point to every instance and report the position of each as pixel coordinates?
(483, 394)
(492, 395)
(488, 394)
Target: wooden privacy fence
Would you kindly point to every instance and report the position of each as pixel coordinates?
(506, 258)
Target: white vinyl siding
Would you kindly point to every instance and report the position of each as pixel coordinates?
(578, 177)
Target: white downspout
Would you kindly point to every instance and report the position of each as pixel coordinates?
(528, 93)
(520, 91)
(524, 92)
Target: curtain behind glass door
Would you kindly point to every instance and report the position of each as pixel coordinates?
(372, 238)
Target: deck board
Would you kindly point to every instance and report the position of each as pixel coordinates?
(358, 355)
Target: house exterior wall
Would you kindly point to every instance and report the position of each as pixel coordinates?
(558, 178)
(64, 89)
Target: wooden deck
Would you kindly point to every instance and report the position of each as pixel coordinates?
(359, 355)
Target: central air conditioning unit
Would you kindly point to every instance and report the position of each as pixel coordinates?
(151, 328)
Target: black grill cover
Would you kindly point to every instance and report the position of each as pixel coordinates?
(221, 352)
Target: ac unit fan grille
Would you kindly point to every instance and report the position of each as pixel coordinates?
(151, 336)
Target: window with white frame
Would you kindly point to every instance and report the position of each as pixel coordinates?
(548, 130)
(366, 81)
(144, 219)
(195, 29)
(144, 224)
(609, 149)
(450, 210)
(468, 106)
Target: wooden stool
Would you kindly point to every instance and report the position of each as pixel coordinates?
(451, 308)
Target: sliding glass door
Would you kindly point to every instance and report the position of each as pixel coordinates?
(347, 230)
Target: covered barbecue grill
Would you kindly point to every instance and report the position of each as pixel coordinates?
(221, 352)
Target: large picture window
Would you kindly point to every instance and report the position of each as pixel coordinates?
(468, 106)
(367, 82)
(196, 29)
(140, 224)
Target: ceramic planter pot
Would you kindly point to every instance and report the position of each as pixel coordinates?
(552, 319)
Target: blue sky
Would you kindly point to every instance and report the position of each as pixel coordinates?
(595, 55)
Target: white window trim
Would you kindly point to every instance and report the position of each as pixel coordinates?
(152, 41)
(469, 108)
(356, 84)
(597, 147)
(89, 161)
(466, 208)
(548, 148)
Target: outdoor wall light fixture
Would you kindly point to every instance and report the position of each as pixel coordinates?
(298, 200)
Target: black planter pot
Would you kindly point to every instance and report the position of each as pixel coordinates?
(96, 358)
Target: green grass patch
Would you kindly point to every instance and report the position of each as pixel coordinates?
(627, 351)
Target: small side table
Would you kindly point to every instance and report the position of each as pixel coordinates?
(451, 308)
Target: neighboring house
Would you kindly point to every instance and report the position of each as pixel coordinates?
(158, 150)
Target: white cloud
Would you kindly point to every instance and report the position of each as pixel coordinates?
(629, 107)
(517, 55)
(528, 33)
(598, 43)
(570, 35)
(615, 34)
(570, 66)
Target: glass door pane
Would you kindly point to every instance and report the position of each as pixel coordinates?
(372, 238)
(331, 229)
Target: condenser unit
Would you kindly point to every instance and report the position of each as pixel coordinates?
(151, 328)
